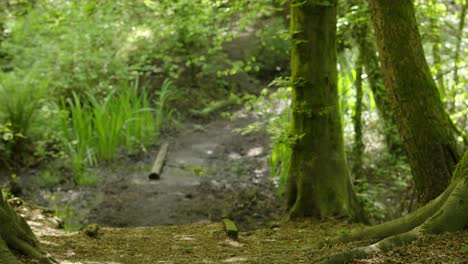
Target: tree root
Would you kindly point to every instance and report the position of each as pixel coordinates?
(16, 235)
(446, 213)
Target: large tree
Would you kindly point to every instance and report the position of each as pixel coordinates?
(318, 179)
(424, 126)
(16, 235)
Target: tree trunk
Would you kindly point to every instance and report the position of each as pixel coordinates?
(422, 121)
(318, 178)
(447, 213)
(358, 148)
(382, 99)
(15, 234)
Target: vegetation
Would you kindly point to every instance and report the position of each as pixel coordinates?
(365, 113)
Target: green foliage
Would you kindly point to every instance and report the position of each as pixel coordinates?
(46, 42)
(6, 137)
(79, 54)
(98, 128)
(464, 249)
(20, 101)
(164, 95)
(272, 110)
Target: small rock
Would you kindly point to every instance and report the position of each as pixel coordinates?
(58, 222)
(235, 260)
(92, 230)
(230, 228)
(15, 202)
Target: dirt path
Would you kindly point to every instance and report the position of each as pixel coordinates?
(211, 172)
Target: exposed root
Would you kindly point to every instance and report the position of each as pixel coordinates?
(15, 234)
(382, 246)
(447, 213)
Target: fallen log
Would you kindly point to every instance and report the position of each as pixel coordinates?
(158, 165)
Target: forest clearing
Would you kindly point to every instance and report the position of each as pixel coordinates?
(233, 131)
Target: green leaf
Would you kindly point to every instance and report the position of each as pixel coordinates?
(464, 249)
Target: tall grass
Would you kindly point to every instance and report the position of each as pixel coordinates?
(163, 95)
(79, 135)
(99, 128)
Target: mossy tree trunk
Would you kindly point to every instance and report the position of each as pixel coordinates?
(421, 118)
(365, 40)
(318, 178)
(358, 147)
(16, 235)
(447, 213)
(359, 33)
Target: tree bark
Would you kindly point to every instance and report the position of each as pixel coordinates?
(358, 148)
(421, 118)
(15, 234)
(360, 33)
(318, 179)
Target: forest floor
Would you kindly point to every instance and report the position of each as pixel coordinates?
(293, 242)
(210, 173)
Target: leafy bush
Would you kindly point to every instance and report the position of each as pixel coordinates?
(20, 100)
(46, 43)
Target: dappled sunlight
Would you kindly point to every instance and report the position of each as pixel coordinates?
(253, 152)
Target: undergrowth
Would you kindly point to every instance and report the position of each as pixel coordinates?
(99, 128)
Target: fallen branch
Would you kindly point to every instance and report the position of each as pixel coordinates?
(155, 173)
(215, 106)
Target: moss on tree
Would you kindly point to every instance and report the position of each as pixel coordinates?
(16, 236)
(318, 178)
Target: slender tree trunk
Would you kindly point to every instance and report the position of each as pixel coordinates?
(358, 148)
(318, 179)
(421, 118)
(370, 60)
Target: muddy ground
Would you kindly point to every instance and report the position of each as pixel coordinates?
(210, 172)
